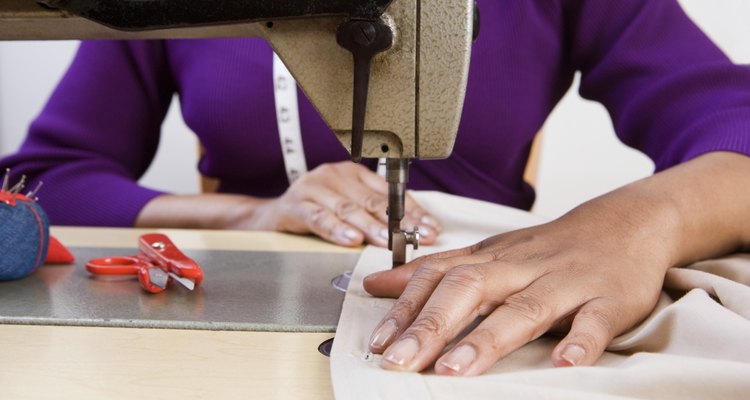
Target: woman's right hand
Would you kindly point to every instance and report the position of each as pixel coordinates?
(344, 203)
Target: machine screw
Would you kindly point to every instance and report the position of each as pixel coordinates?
(364, 33)
(412, 238)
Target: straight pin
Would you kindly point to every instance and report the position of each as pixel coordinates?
(32, 194)
(19, 186)
(5, 180)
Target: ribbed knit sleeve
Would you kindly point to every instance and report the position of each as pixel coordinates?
(669, 90)
(98, 134)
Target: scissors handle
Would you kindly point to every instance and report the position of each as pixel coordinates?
(115, 265)
(161, 251)
(127, 266)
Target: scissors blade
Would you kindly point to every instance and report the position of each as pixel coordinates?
(158, 277)
(188, 283)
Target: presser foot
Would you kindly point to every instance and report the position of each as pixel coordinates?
(399, 240)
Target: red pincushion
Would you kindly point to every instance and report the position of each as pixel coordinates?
(25, 242)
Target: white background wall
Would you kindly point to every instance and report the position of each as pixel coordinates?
(582, 158)
(29, 71)
(580, 155)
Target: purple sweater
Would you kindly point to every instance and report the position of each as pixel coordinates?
(671, 94)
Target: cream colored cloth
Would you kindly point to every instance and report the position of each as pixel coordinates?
(697, 347)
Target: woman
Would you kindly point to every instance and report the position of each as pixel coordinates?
(592, 273)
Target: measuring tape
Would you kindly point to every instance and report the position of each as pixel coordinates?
(288, 122)
(287, 119)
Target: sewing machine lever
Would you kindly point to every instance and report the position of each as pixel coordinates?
(364, 39)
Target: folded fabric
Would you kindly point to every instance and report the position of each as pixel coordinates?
(694, 345)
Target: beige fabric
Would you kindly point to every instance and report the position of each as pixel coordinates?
(697, 347)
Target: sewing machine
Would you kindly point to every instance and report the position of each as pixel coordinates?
(387, 76)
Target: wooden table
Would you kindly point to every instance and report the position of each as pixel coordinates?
(39, 362)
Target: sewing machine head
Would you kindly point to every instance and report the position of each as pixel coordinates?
(400, 99)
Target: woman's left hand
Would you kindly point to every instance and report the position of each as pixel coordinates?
(594, 273)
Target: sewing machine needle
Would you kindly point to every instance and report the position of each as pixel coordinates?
(397, 176)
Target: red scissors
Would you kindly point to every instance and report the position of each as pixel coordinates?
(158, 261)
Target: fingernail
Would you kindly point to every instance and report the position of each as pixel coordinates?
(573, 354)
(428, 220)
(384, 233)
(402, 352)
(425, 231)
(351, 234)
(383, 334)
(460, 358)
